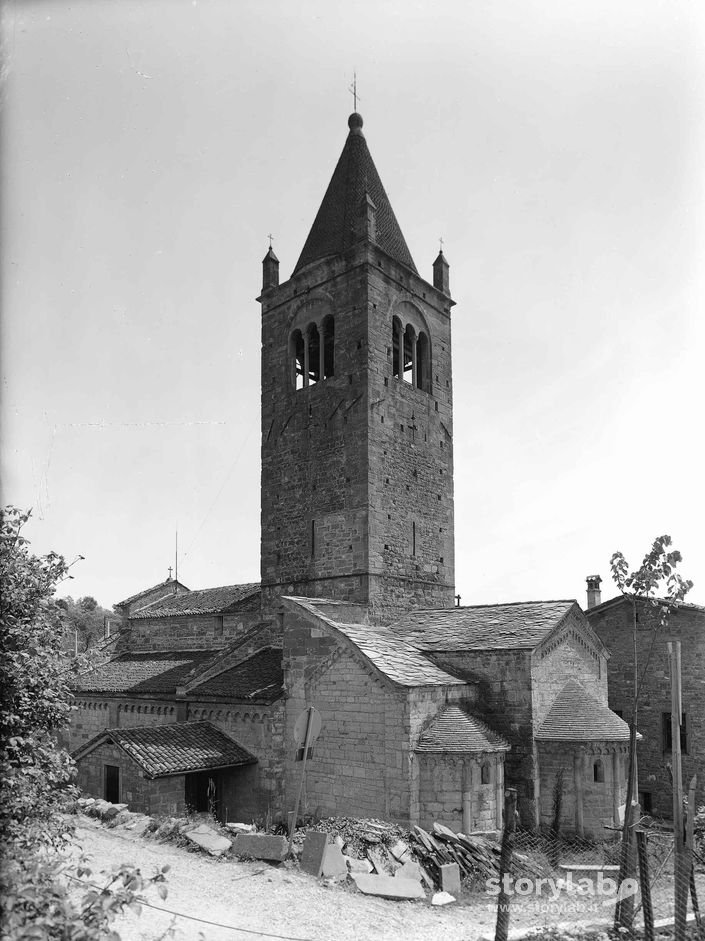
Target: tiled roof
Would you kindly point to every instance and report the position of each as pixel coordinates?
(153, 671)
(258, 679)
(336, 225)
(482, 627)
(207, 601)
(167, 583)
(576, 716)
(180, 748)
(454, 730)
(399, 661)
(622, 599)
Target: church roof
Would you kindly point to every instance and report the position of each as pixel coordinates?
(335, 227)
(228, 598)
(576, 716)
(180, 748)
(152, 671)
(259, 679)
(482, 627)
(454, 730)
(400, 662)
(170, 582)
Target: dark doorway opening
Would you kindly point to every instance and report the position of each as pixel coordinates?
(203, 793)
(112, 784)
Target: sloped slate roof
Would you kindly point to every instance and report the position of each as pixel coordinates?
(169, 582)
(335, 226)
(394, 658)
(454, 730)
(228, 598)
(258, 679)
(180, 748)
(576, 716)
(482, 627)
(153, 671)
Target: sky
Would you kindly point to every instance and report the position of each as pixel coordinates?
(149, 149)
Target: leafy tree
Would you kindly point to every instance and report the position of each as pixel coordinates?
(85, 623)
(658, 586)
(35, 773)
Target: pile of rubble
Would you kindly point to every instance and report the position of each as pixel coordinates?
(476, 856)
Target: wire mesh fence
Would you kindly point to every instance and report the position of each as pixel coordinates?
(576, 882)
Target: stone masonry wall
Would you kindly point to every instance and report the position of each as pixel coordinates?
(598, 797)
(134, 789)
(259, 729)
(443, 781)
(93, 714)
(359, 461)
(196, 632)
(613, 624)
(503, 679)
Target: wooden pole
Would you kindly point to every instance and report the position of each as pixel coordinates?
(505, 863)
(682, 876)
(645, 884)
(307, 743)
(688, 854)
(624, 910)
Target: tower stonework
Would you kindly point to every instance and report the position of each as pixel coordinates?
(357, 446)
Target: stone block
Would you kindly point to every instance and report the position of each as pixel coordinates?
(260, 846)
(450, 878)
(400, 850)
(358, 865)
(388, 887)
(333, 862)
(442, 898)
(209, 840)
(314, 850)
(409, 870)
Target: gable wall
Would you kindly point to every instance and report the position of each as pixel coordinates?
(568, 656)
(614, 627)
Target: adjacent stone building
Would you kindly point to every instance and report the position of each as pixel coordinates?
(427, 709)
(613, 622)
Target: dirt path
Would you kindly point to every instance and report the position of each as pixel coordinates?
(271, 901)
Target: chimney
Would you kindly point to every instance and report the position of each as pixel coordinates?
(594, 595)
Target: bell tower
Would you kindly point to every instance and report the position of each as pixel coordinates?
(357, 416)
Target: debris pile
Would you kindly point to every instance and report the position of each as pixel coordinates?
(476, 856)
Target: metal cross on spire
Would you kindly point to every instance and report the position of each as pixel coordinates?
(440, 240)
(353, 91)
(271, 239)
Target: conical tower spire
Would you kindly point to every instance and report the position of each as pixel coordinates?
(336, 226)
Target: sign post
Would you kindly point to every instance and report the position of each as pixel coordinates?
(306, 731)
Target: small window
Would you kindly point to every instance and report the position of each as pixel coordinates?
(598, 772)
(485, 774)
(667, 737)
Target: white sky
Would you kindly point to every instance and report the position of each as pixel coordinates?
(558, 148)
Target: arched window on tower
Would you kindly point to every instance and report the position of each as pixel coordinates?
(314, 354)
(598, 772)
(397, 346)
(328, 330)
(409, 363)
(298, 357)
(423, 363)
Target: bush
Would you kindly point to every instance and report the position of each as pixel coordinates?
(36, 774)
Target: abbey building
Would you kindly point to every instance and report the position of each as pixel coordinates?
(427, 709)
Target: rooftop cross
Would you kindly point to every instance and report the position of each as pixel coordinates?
(353, 91)
(271, 239)
(457, 601)
(170, 571)
(440, 240)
